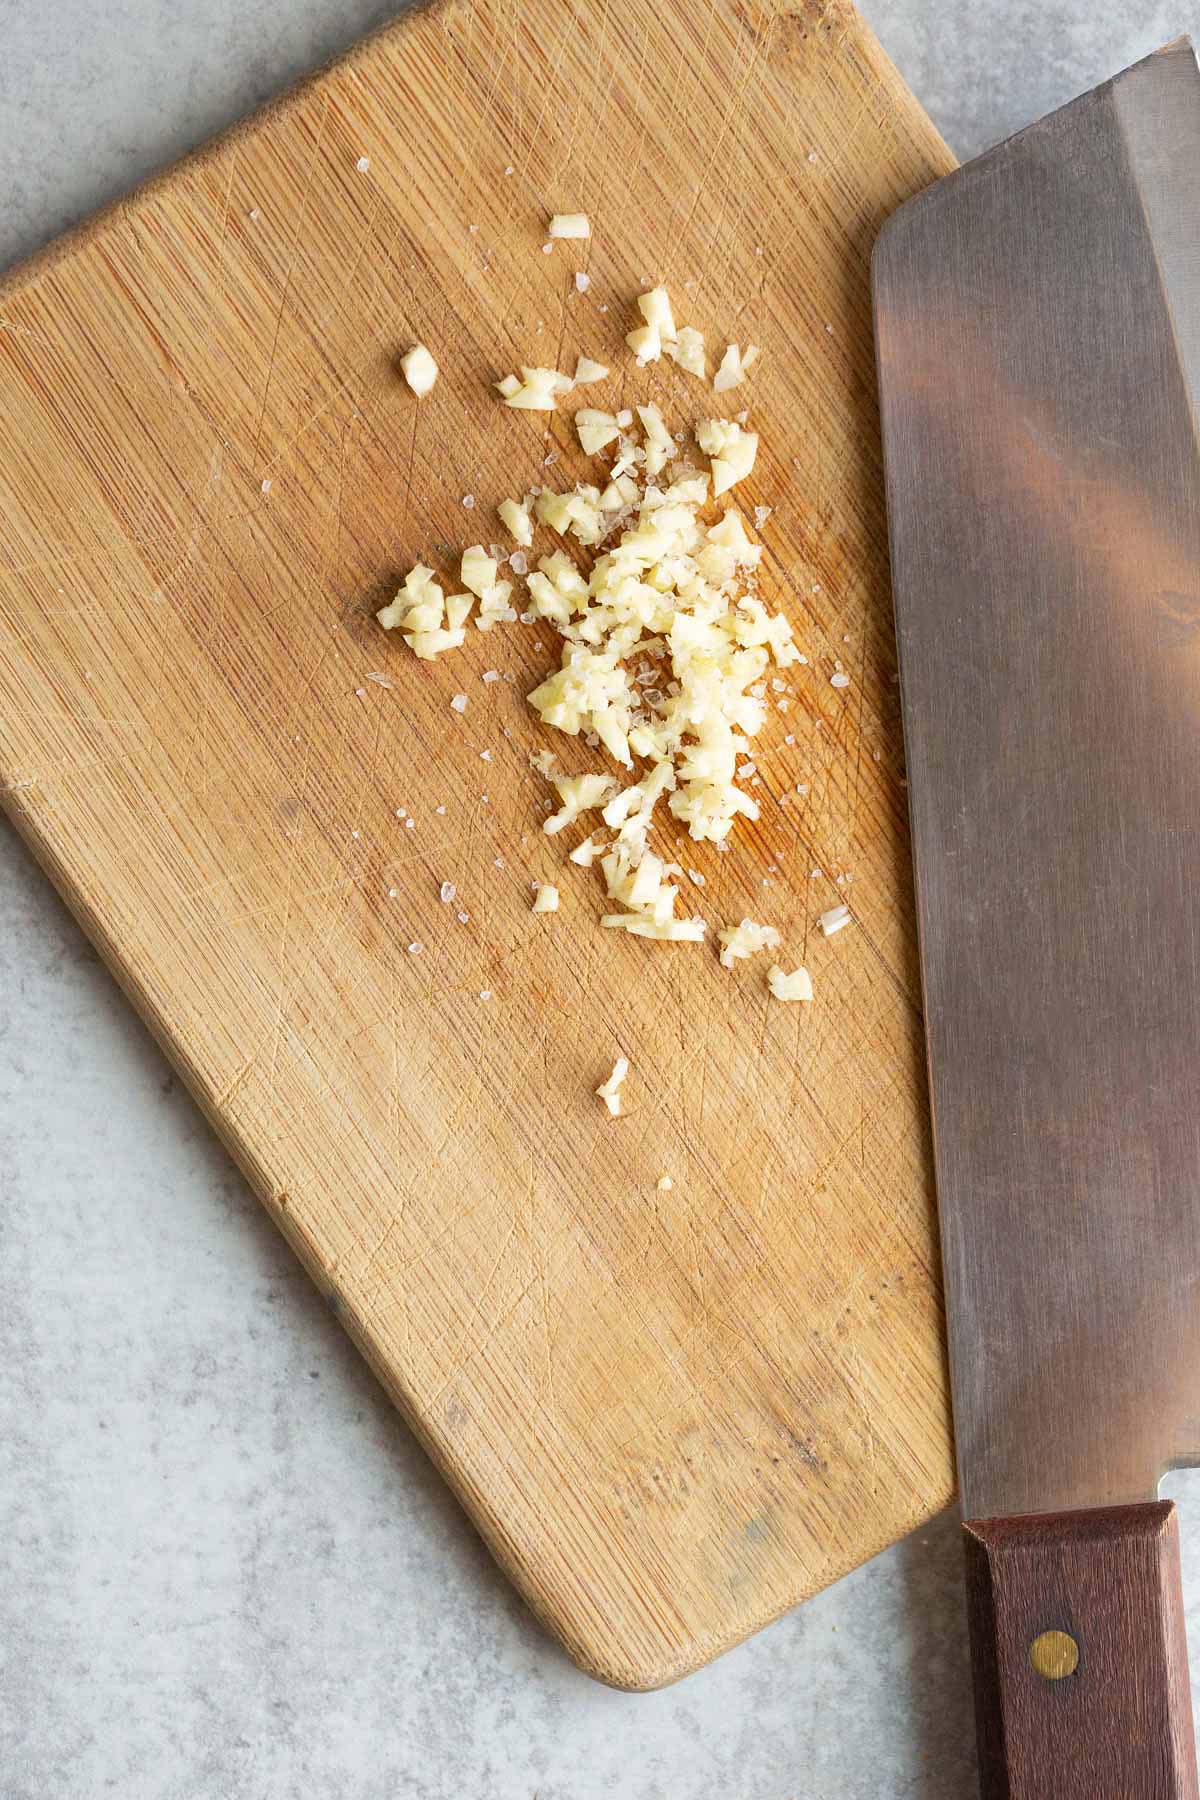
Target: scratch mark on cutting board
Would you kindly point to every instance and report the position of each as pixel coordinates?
(287, 280)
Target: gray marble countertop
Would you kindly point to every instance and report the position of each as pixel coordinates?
(226, 1569)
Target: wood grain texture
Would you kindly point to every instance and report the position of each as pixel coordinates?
(1119, 1726)
(671, 1415)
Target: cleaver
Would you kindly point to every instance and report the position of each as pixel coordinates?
(1038, 328)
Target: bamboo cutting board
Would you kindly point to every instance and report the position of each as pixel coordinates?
(673, 1413)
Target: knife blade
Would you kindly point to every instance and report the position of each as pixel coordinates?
(1038, 338)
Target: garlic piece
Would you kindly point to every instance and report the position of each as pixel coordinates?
(586, 370)
(610, 1090)
(514, 515)
(688, 351)
(578, 794)
(734, 365)
(478, 570)
(420, 370)
(833, 920)
(646, 341)
(546, 898)
(660, 445)
(584, 854)
(570, 225)
(595, 429)
(739, 942)
(732, 451)
(419, 610)
(538, 389)
(495, 606)
(796, 986)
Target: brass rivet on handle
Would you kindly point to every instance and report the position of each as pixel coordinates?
(1054, 1655)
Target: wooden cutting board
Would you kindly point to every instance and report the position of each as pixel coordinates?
(672, 1414)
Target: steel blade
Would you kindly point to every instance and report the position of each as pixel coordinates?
(1038, 329)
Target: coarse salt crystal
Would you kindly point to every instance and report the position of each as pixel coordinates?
(490, 675)
(459, 703)
(485, 756)
(447, 892)
(468, 501)
(839, 679)
(582, 281)
(464, 918)
(833, 920)
(415, 949)
(363, 164)
(439, 809)
(266, 486)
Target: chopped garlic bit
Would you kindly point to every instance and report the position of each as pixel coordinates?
(732, 451)
(610, 1090)
(796, 986)
(420, 370)
(688, 351)
(545, 900)
(660, 445)
(537, 390)
(833, 920)
(478, 569)
(430, 623)
(587, 370)
(570, 225)
(734, 365)
(595, 429)
(578, 794)
(586, 853)
(647, 340)
(745, 940)
(514, 515)
(839, 680)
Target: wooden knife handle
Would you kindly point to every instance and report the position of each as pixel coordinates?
(1080, 1663)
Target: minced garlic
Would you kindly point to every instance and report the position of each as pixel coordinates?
(570, 225)
(586, 370)
(732, 451)
(610, 1090)
(514, 516)
(734, 365)
(688, 351)
(745, 940)
(545, 900)
(537, 391)
(420, 370)
(796, 986)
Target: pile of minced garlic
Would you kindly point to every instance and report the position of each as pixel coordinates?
(666, 646)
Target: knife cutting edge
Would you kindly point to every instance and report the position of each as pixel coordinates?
(1038, 335)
